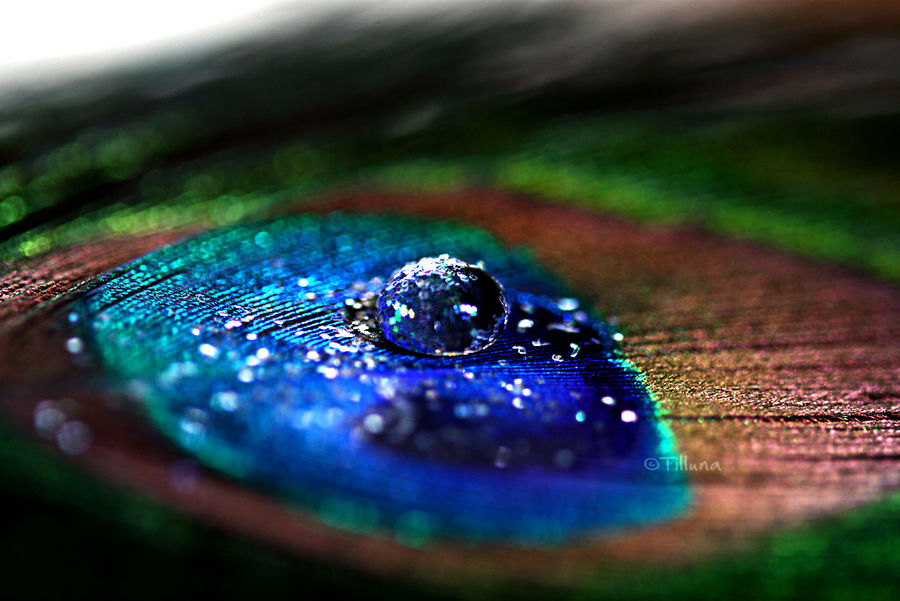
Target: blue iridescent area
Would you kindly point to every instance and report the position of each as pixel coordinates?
(238, 345)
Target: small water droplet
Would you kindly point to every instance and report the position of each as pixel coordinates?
(629, 416)
(568, 304)
(442, 306)
(245, 375)
(48, 418)
(74, 345)
(74, 438)
(373, 423)
(208, 350)
(226, 401)
(329, 372)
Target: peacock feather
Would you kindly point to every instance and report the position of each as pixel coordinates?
(694, 220)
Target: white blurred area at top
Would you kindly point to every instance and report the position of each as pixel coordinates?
(48, 41)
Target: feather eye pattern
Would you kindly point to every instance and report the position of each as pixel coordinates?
(256, 372)
(694, 392)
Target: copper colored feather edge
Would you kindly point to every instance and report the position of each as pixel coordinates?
(782, 371)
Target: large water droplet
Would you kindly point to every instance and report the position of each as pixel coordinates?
(442, 306)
